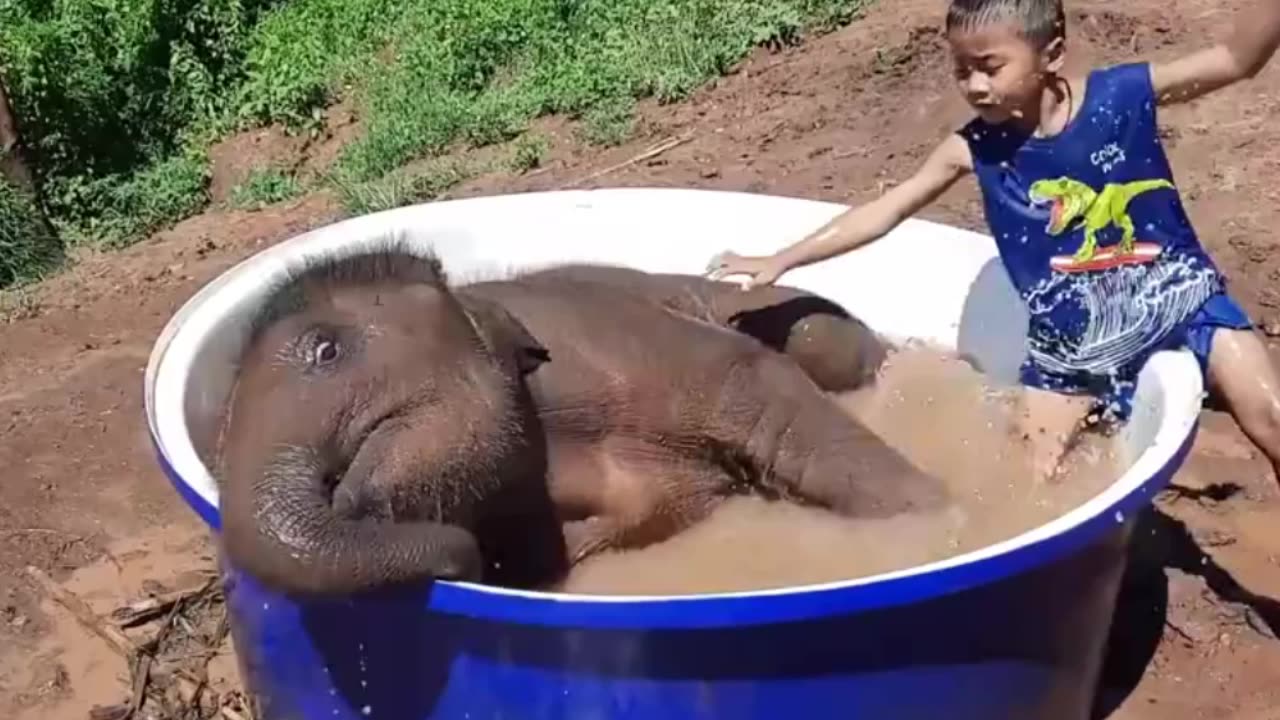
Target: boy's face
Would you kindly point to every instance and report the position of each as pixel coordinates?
(1000, 72)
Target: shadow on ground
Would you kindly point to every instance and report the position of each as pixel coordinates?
(1160, 543)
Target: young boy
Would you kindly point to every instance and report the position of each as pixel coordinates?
(1079, 197)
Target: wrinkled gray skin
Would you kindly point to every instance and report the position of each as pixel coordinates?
(386, 428)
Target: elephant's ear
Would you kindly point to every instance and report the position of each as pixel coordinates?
(504, 334)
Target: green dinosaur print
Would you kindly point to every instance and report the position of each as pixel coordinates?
(1073, 200)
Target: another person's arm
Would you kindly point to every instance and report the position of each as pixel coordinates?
(1252, 42)
(857, 226)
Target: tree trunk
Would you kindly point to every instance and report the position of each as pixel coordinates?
(14, 166)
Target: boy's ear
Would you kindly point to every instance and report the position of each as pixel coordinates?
(1053, 56)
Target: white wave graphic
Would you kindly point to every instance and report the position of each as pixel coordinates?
(1128, 310)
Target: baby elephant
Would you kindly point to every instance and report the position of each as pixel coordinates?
(387, 428)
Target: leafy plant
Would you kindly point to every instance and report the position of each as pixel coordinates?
(398, 188)
(119, 98)
(27, 250)
(529, 152)
(265, 186)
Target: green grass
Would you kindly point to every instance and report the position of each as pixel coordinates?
(529, 152)
(115, 211)
(396, 189)
(477, 72)
(265, 186)
(120, 98)
(27, 250)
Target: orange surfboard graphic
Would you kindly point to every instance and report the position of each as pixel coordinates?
(1104, 258)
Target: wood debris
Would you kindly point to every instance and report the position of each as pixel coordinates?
(181, 630)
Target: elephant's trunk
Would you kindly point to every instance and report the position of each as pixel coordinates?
(281, 527)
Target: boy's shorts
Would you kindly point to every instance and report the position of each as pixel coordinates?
(1114, 394)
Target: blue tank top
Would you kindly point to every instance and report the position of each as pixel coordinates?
(1092, 231)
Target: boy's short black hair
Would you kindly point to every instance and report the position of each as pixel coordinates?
(1041, 21)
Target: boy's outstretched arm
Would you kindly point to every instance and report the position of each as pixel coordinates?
(1252, 42)
(856, 226)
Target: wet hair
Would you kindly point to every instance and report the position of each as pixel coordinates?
(391, 259)
(1039, 21)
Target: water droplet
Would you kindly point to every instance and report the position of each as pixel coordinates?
(1119, 516)
(266, 606)
(367, 710)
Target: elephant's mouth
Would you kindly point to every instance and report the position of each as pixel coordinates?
(341, 466)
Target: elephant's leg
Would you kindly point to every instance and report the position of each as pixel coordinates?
(523, 543)
(836, 350)
(640, 494)
(770, 417)
(590, 536)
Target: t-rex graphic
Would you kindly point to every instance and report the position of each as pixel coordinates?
(1072, 200)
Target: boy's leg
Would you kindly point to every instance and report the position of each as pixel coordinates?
(1242, 374)
(1050, 421)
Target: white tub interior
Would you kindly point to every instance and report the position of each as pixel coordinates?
(926, 281)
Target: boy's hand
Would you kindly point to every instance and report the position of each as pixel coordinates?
(761, 270)
(857, 226)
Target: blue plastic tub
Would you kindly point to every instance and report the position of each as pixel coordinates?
(1013, 630)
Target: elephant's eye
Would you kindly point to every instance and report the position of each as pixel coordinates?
(318, 348)
(324, 352)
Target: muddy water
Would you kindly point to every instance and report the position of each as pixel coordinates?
(940, 413)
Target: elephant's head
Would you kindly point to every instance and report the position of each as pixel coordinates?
(374, 415)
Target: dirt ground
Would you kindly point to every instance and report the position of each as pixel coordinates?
(84, 504)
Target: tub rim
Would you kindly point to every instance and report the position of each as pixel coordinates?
(1175, 372)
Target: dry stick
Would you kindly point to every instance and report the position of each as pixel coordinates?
(114, 638)
(220, 633)
(36, 531)
(1181, 633)
(151, 607)
(141, 679)
(849, 153)
(649, 154)
(145, 659)
(83, 614)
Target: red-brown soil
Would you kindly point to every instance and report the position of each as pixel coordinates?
(838, 119)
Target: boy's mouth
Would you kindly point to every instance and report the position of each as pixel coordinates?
(987, 110)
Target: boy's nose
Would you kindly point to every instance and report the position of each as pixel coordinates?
(977, 86)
